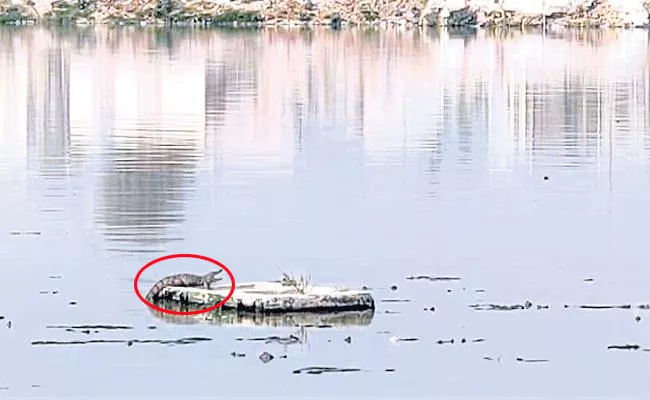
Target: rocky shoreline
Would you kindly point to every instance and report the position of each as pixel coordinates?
(333, 13)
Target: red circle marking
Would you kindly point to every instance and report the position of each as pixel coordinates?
(198, 256)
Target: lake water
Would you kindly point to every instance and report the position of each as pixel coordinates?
(519, 163)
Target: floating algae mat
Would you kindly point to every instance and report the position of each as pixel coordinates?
(271, 298)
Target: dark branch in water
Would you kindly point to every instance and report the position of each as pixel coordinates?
(406, 339)
(320, 370)
(499, 307)
(519, 359)
(623, 347)
(433, 278)
(89, 327)
(189, 340)
(597, 307)
(274, 339)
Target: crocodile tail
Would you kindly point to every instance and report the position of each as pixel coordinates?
(153, 292)
(173, 280)
(162, 283)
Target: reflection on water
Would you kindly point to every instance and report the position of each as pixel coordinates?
(48, 120)
(48, 101)
(516, 161)
(142, 192)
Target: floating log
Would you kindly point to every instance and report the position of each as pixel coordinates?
(231, 317)
(272, 298)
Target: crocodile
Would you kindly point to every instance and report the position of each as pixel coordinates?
(184, 280)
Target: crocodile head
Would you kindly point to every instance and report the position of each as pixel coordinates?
(210, 278)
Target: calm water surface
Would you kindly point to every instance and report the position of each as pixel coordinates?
(360, 158)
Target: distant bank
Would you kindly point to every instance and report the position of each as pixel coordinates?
(334, 13)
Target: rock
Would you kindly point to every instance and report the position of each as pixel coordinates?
(464, 17)
(335, 13)
(266, 357)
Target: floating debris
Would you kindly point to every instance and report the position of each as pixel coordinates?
(108, 327)
(638, 318)
(266, 357)
(500, 307)
(589, 280)
(393, 288)
(432, 308)
(272, 320)
(25, 233)
(478, 340)
(291, 339)
(391, 312)
(320, 370)
(604, 307)
(2, 317)
(189, 340)
(9, 324)
(55, 276)
(396, 339)
(395, 301)
(498, 359)
(72, 303)
(389, 370)
(235, 354)
(440, 341)
(433, 278)
(519, 359)
(348, 339)
(272, 297)
(623, 347)
(479, 290)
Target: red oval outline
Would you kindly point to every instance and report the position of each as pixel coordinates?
(181, 255)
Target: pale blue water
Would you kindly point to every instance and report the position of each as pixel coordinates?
(360, 158)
